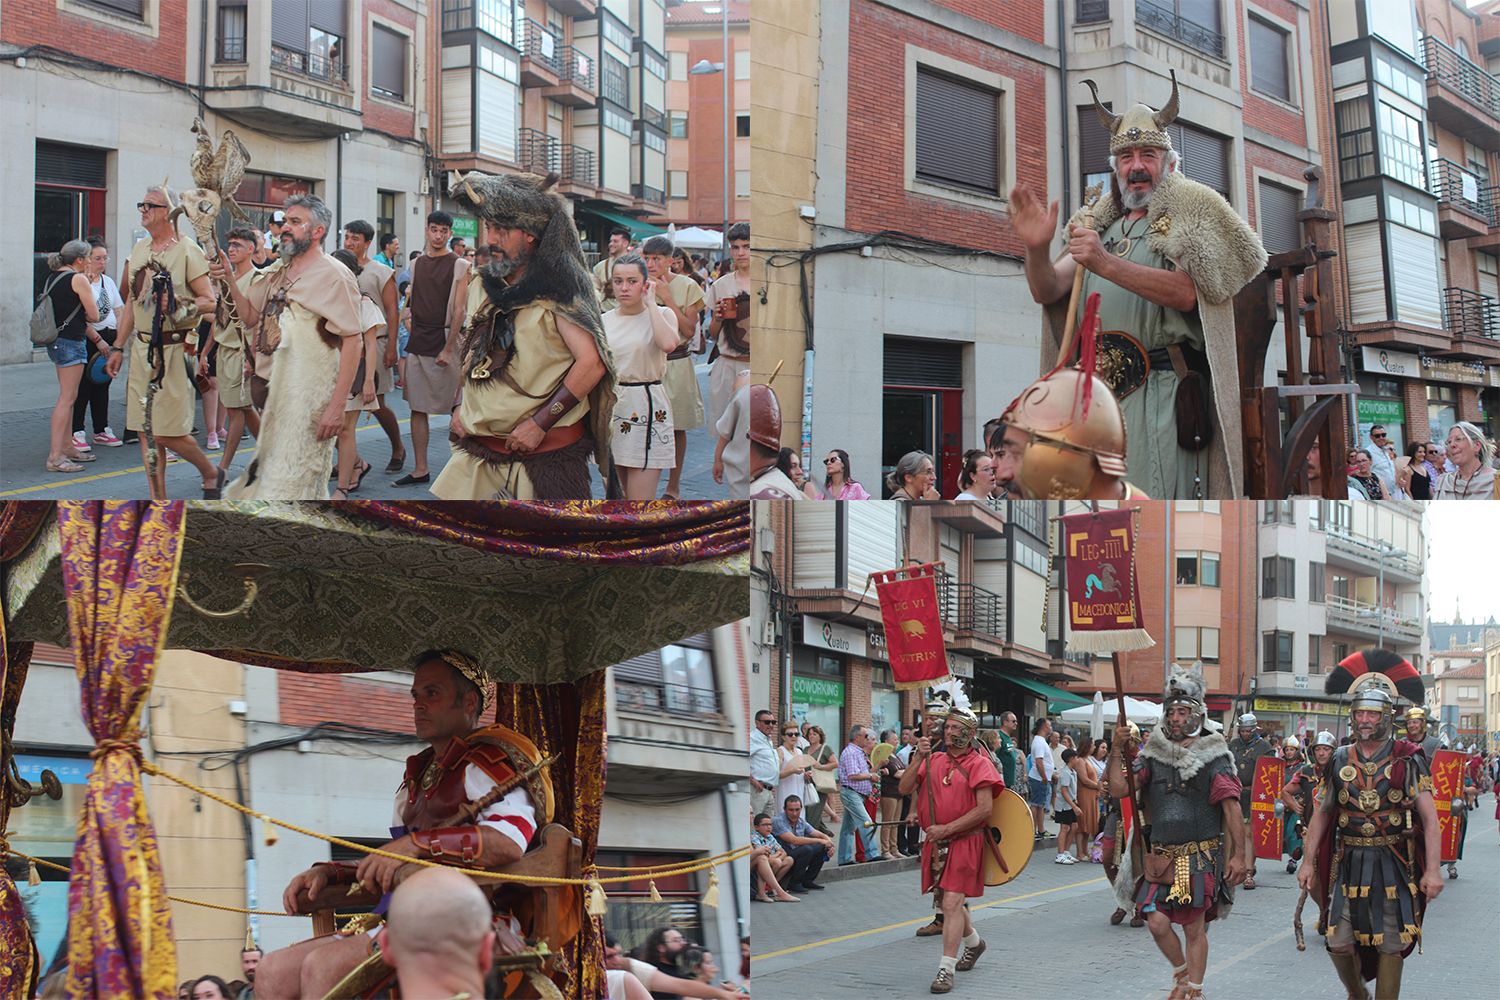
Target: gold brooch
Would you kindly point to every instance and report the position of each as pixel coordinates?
(1347, 772)
(481, 371)
(1395, 795)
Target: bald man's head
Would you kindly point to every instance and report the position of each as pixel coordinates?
(438, 916)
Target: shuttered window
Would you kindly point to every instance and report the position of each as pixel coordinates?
(387, 62)
(1268, 70)
(1093, 148)
(924, 363)
(292, 20)
(1278, 218)
(70, 166)
(130, 8)
(1205, 156)
(678, 678)
(957, 132)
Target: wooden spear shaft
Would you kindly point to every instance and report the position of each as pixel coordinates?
(1135, 800)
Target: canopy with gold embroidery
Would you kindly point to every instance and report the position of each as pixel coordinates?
(543, 595)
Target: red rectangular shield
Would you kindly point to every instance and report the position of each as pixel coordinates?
(1447, 785)
(913, 625)
(1265, 791)
(1104, 613)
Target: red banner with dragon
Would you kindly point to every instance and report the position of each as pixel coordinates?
(1103, 599)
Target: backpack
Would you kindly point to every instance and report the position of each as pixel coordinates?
(44, 325)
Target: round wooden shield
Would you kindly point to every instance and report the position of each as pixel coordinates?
(880, 754)
(1009, 829)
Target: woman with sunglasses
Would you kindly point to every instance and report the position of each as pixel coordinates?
(794, 778)
(838, 483)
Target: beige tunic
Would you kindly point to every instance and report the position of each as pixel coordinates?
(680, 380)
(492, 408)
(172, 406)
(372, 281)
(728, 365)
(291, 463)
(641, 428)
(233, 340)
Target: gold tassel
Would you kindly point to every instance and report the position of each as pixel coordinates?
(271, 837)
(250, 941)
(33, 877)
(596, 898)
(711, 894)
(655, 896)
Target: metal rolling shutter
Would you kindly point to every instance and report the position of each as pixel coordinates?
(958, 132)
(815, 527)
(388, 61)
(1366, 272)
(1414, 276)
(131, 8)
(1278, 218)
(457, 124)
(1205, 156)
(74, 166)
(1268, 73)
(874, 540)
(289, 24)
(1093, 141)
(929, 363)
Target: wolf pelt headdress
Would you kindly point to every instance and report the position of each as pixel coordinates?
(1185, 686)
(556, 273)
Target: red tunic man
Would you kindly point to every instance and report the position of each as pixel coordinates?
(954, 791)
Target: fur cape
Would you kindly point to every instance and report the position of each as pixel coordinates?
(556, 273)
(1192, 225)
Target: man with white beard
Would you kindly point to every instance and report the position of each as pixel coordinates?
(1166, 254)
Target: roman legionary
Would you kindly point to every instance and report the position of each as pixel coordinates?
(1418, 732)
(1297, 794)
(1372, 847)
(466, 800)
(767, 482)
(1167, 255)
(538, 384)
(1192, 804)
(1068, 451)
(934, 718)
(1248, 746)
(1291, 834)
(954, 791)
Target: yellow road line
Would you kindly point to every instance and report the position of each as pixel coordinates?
(920, 920)
(141, 469)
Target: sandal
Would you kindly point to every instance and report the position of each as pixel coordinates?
(358, 479)
(83, 456)
(63, 466)
(340, 494)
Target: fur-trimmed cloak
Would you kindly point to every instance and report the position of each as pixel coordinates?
(1196, 229)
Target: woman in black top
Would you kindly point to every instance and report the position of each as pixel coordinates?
(1420, 487)
(74, 307)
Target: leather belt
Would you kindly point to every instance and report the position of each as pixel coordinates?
(557, 437)
(679, 353)
(1182, 850)
(655, 382)
(169, 336)
(1386, 841)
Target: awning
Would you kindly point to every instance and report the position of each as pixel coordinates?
(1058, 700)
(638, 229)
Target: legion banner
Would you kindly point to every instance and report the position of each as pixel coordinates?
(913, 626)
(1266, 828)
(1103, 599)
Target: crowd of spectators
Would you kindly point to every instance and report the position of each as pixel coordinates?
(667, 965)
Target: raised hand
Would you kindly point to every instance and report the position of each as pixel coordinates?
(1035, 224)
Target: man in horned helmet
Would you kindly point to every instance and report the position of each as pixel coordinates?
(538, 383)
(954, 791)
(1192, 795)
(1167, 255)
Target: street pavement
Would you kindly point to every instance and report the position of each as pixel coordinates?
(28, 392)
(1048, 934)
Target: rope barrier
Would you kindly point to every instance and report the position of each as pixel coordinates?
(686, 868)
(177, 899)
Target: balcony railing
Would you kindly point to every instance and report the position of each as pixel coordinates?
(1466, 313)
(968, 607)
(674, 699)
(1451, 183)
(231, 49)
(647, 193)
(1376, 619)
(576, 67)
(654, 116)
(1341, 540)
(1091, 11)
(1458, 74)
(541, 46)
(1170, 23)
(543, 154)
(313, 65)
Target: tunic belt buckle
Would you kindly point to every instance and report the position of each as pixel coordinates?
(167, 336)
